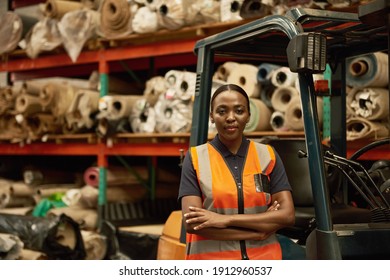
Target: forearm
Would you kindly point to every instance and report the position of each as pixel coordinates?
(231, 233)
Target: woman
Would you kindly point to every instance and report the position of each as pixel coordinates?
(234, 192)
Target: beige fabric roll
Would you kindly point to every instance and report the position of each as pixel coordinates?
(114, 107)
(283, 77)
(84, 104)
(58, 8)
(260, 116)
(27, 254)
(203, 11)
(154, 87)
(57, 98)
(245, 76)
(282, 96)
(224, 70)
(172, 14)
(370, 103)
(28, 104)
(18, 210)
(20, 189)
(86, 218)
(145, 21)
(294, 115)
(116, 18)
(12, 25)
(95, 245)
(358, 128)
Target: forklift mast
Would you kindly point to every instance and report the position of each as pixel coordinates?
(307, 41)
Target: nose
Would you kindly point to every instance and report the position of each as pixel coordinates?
(231, 116)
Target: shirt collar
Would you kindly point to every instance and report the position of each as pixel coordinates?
(225, 151)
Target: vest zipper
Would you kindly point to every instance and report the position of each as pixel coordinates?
(240, 198)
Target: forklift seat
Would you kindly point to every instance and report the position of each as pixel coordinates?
(297, 169)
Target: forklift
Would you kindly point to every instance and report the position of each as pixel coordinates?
(309, 41)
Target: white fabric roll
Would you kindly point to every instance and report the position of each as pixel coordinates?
(245, 76)
(277, 121)
(294, 115)
(370, 103)
(224, 70)
(154, 87)
(145, 21)
(230, 10)
(173, 115)
(203, 11)
(115, 107)
(172, 14)
(282, 97)
(180, 84)
(283, 77)
(143, 117)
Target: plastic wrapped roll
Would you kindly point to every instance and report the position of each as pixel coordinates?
(172, 14)
(85, 218)
(115, 107)
(95, 245)
(368, 70)
(230, 10)
(245, 76)
(154, 87)
(57, 98)
(57, 237)
(278, 122)
(282, 97)
(203, 11)
(283, 77)
(76, 27)
(10, 246)
(12, 25)
(260, 116)
(116, 18)
(224, 70)
(172, 115)
(145, 21)
(358, 128)
(370, 103)
(143, 117)
(180, 85)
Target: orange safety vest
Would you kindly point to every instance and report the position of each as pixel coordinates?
(221, 194)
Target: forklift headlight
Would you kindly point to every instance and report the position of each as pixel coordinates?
(307, 52)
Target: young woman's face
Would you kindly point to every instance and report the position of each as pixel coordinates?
(230, 114)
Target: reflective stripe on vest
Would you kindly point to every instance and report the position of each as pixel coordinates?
(220, 193)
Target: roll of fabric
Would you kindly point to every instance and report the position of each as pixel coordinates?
(42, 124)
(154, 87)
(115, 107)
(116, 18)
(283, 77)
(12, 25)
(359, 128)
(76, 27)
(370, 103)
(173, 115)
(28, 104)
(85, 218)
(19, 188)
(265, 71)
(282, 97)
(44, 36)
(172, 14)
(203, 11)
(260, 116)
(58, 8)
(230, 10)
(368, 70)
(254, 9)
(108, 128)
(10, 246)
(245, 75)
(224, 70)
(145, 21)
(57, 98)
(294, 114)
(95, 245)
(278, 122)
(143, 117)
(180, 85)
(81, 111)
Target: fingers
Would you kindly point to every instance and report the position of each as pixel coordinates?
(274, 207)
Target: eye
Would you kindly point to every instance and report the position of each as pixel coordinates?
(221, 111)
(240, 111)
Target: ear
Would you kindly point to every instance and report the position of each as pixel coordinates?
(211, 118)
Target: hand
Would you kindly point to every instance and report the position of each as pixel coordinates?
(204, 218)
(275, 206)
